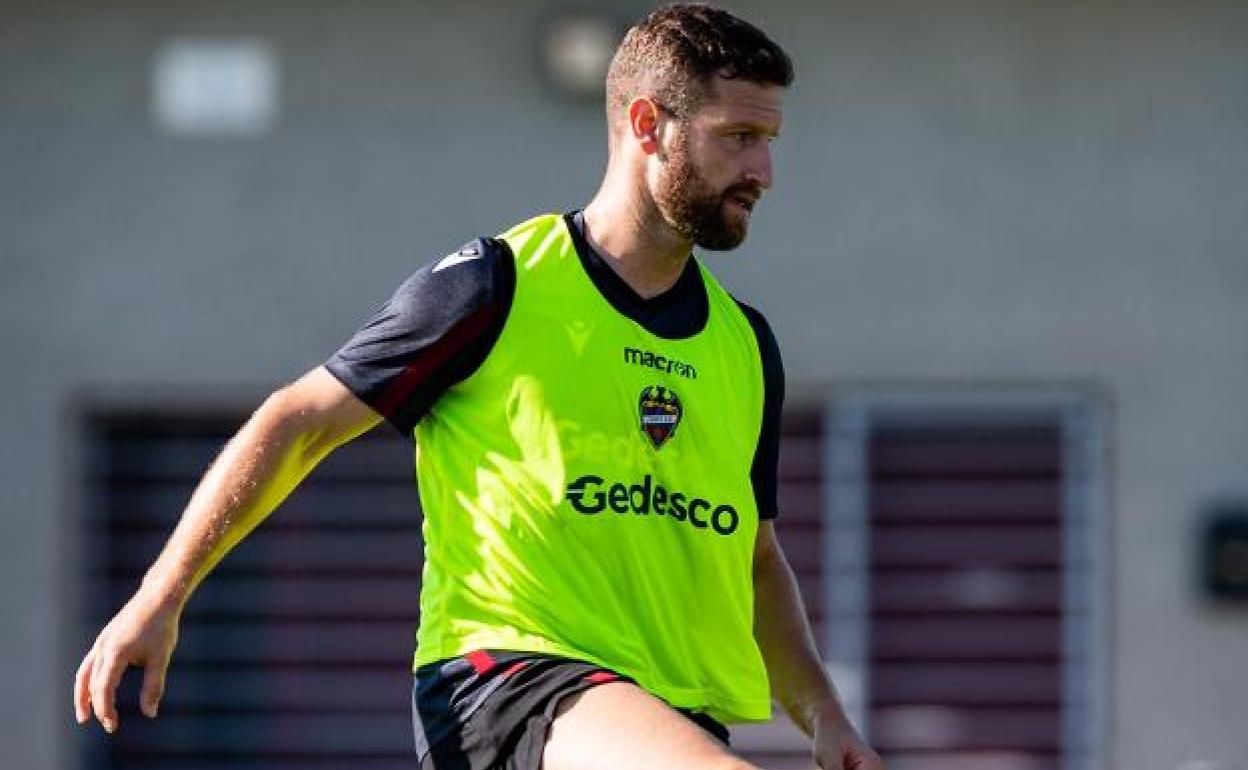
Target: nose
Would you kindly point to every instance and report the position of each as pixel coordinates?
(759, 170)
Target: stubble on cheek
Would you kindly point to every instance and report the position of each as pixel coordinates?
(691, 207)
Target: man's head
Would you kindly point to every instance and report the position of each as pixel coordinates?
(693, 101)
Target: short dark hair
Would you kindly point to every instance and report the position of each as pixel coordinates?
(675, 51)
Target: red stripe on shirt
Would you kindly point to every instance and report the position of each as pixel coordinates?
(480, 660)
(602, 676)
(431, 359)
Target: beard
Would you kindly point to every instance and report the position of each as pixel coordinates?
(693, 208)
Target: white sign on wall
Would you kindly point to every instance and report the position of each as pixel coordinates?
(215, 87)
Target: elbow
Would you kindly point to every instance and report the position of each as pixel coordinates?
(314, 415)
(298, 427)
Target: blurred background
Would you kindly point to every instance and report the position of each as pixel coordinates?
(1005, 257)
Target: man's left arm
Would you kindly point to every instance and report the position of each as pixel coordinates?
(798, 679)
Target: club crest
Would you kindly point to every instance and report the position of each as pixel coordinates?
(660, 412)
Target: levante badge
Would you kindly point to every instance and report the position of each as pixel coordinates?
(660, 411)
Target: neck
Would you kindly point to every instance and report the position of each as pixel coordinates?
(635, 241)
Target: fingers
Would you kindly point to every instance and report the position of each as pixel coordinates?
(153, 688)
(851, 757)
(865, 759)
(106, 673)
(143, 634)
(82, 692)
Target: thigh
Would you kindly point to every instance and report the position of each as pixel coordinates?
(619, 726)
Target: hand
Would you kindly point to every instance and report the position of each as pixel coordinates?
(839, 747)
(143, 633)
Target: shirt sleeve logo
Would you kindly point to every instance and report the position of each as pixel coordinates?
(466, 254)
(660, 411)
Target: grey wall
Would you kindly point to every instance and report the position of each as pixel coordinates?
(1019, 193)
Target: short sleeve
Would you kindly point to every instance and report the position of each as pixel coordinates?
(434, 332)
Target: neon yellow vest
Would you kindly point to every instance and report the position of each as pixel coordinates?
(587, 491)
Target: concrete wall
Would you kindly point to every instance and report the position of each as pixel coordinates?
(1013, 192)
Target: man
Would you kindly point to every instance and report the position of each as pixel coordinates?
(596, 422)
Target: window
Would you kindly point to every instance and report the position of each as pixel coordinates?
(295, 654)
(963, 560)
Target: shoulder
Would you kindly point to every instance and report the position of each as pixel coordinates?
(752, 314)
(433, 332)
(537, 225)
(477, 272)
(767, 344)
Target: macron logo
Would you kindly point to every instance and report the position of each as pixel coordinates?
(466, 254)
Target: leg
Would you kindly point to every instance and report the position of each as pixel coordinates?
(619, 726)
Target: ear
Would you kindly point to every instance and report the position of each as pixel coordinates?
(644, 116)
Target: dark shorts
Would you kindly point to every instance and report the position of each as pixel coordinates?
(493, 709)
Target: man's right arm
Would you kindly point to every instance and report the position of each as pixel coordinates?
(434, 331)
(288, 435)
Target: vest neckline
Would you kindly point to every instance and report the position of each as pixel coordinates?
(678, 313)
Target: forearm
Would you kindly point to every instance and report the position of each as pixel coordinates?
(255, 471)
(798, 679)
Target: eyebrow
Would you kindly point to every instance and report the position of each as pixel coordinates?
(758, 128)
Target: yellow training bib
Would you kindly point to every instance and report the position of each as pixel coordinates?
(587, 490)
